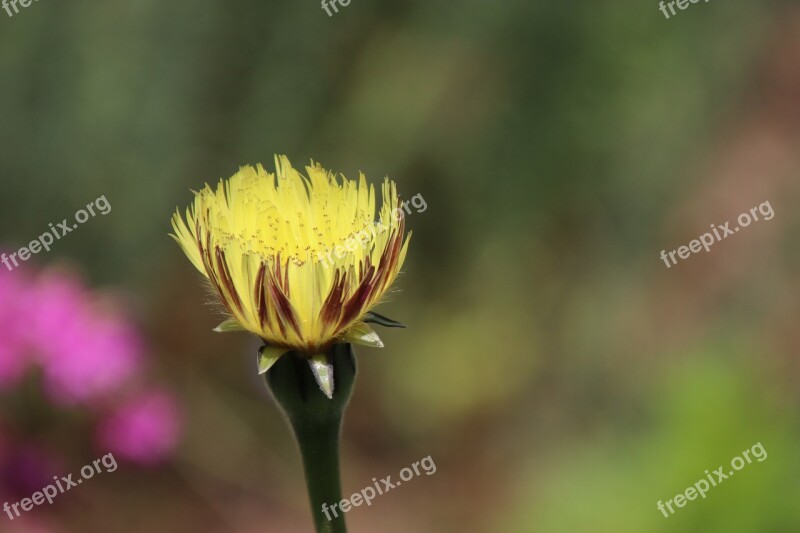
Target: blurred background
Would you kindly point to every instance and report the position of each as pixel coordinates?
(561, 377)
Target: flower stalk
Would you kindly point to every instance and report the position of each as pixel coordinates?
(316, 420)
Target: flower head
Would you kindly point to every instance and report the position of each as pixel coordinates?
(297, 260)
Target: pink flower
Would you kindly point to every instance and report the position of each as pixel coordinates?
(88, 356)
(85, 352)
(144, 430)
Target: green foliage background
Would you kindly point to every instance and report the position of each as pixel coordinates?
(562, 378)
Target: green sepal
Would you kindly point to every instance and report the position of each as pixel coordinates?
(268, 355)
(363, 334)
(229, 325)
(323, 373)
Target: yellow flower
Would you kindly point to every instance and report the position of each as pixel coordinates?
(299, 261)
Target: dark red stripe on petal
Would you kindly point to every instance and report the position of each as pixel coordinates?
(260, 298)
(213, 278)
(283, 306)
(355, 304)
(332, 307)
(227, 281)
(389, 258)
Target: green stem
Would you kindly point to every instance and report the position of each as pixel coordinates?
(319, 446)
(316, 422)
